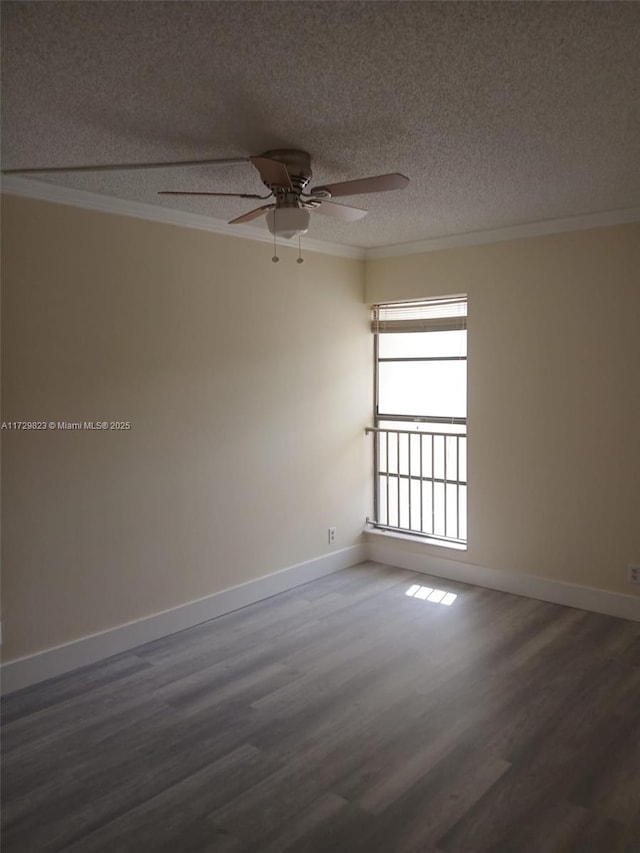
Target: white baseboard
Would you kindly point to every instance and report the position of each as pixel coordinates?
(32, 669)
(60, 659)
(530, 586)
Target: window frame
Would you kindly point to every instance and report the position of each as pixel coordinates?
(434, 325)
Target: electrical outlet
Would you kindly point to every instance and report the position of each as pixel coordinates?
(634, 572)
(332, 535)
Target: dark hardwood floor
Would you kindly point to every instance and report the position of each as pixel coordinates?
(340, 717)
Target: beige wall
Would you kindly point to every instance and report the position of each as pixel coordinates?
(247, 384)
(554, 398)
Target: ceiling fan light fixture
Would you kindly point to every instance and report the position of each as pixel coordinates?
(288, 222)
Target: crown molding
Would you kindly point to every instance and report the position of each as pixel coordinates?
(514, 232)
(28, 188)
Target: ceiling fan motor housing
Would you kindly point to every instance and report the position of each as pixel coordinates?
(298, 165)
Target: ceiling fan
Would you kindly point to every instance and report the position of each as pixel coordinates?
(286, 173)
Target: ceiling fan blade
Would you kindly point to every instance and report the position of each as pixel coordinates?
(253, 214)
(122, 167)
(233, 195)
(339, 211)
(272, 172)
(377, 184)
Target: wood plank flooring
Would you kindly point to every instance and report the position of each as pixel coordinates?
(340, 717)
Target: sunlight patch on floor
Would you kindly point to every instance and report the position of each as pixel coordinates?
(428, 593)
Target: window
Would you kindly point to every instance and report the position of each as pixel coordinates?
(420, 411)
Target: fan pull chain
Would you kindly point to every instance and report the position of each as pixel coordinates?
(300, 258)
(275, 257)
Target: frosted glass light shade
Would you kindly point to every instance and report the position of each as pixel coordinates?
(288, 222)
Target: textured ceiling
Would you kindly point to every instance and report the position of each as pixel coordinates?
(499, 113)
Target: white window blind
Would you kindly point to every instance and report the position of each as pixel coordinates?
(429, 315)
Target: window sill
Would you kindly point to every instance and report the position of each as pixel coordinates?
(407, 537)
